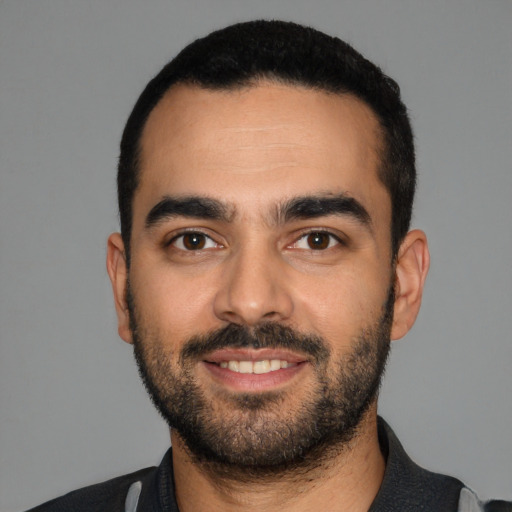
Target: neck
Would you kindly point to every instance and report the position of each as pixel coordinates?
(346, 479)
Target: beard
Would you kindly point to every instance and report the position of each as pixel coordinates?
(265, 433)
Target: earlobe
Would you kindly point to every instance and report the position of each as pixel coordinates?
(411, 271)
(118, 272)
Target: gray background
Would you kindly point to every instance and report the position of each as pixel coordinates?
(72, 409)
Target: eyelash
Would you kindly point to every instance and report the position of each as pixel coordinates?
(332, 241)
(183, 234)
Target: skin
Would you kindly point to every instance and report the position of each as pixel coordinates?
(253, 149)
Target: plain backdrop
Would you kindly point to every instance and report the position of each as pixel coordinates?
(72, 409)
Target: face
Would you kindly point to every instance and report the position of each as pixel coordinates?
(260, 274)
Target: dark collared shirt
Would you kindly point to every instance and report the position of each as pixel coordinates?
(406, 488)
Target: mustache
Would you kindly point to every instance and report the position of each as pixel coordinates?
(266, 335)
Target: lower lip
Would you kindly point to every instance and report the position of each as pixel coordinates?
(251, 381)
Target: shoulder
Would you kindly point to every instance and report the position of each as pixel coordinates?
(106, 496)
(409, 487)
(469, 502)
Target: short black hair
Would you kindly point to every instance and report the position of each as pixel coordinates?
(245, 54)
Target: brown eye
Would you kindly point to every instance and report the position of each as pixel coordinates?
(318, 241)
(194, 241)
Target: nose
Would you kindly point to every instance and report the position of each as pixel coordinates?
(253, 289)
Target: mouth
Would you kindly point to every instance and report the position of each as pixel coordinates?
(258, 370)
(256, 367)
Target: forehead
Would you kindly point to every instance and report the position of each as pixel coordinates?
(259, 144)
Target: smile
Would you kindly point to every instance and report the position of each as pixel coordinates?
(256, 367)
(249, 370)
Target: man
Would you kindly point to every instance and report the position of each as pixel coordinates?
(266, 181)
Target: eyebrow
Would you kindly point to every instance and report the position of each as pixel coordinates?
(192, 207)
(297, 208)
(310, 207)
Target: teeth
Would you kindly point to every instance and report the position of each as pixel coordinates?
(261, 367)
(275, 364)
(233, 366)
(245, 366)
(256, 367)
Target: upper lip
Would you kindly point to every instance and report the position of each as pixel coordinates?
(234, 354)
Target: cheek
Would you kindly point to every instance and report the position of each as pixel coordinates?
(340, 306)
(175, 307)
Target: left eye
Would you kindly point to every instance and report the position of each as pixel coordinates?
(193, 242)
(316, 241)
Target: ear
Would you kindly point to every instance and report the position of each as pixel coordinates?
(410, 273)
(118, 273)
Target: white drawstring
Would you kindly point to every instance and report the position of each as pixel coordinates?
(468, 502)
(132, 498)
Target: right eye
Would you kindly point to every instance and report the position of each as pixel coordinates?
(193, 241)
(317, 241)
